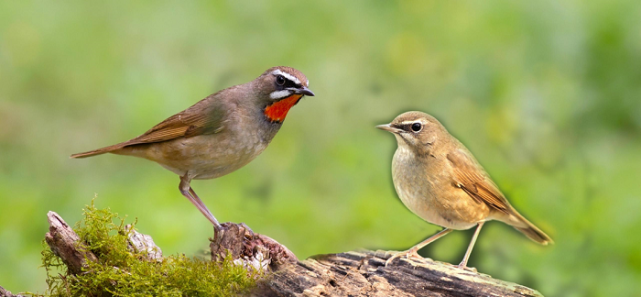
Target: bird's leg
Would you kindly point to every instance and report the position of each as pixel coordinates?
(188, 192)
(463, 263)
(413, 252)
(206, 211)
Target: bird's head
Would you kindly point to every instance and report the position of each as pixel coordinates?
(281, 88)
(415, 130)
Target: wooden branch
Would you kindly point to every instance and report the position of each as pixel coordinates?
(65, 243)
(364, 274)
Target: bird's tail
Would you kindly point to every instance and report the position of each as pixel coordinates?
(516, 220)
(531, 231)
(99, 151)
(536, 234)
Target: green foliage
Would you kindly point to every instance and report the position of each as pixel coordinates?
(121, 272)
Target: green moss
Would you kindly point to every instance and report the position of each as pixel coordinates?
(121, 272)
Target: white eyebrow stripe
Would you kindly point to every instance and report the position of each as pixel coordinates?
(410, 122)
(280, 94)
(286, 75)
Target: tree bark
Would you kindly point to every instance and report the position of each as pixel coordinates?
(346, 274)
(364, 274)
(249, 249)
(65, 243)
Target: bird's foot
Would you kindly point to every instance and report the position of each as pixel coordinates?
(411, 253)
(225, 226)
(464, 267)
(247, 227)
(218, 228)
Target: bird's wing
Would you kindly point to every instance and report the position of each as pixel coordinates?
(205, 117)
(191, 122)
(471, 178)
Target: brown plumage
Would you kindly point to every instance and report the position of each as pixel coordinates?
(205, 117)
(438, 179)
(220, 133)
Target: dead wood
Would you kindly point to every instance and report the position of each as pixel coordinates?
(364, 274)
(346, 274)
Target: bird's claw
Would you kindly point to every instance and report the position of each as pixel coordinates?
(464, 267)
(411, 253)
(246, 227)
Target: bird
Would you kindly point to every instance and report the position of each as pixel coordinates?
(219, 134)
(439, 180)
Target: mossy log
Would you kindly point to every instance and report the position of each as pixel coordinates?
(346, 274)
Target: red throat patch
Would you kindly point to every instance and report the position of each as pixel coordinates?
(278, 110)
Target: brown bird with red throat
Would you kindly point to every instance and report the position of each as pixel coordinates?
(220, 133)
(439, 180)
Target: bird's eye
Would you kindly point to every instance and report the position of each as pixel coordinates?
(280, 80)
(416, 127)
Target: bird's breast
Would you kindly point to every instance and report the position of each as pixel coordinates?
(428, 192)
(228, 155)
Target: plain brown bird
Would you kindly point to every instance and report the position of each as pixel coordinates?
(439, 180)
(220, 133)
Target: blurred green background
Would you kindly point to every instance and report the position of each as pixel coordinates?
(547, 94)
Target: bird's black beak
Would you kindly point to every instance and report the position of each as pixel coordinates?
(389, 128)
(302, 90)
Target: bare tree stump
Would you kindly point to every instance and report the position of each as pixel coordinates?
(249, 249)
